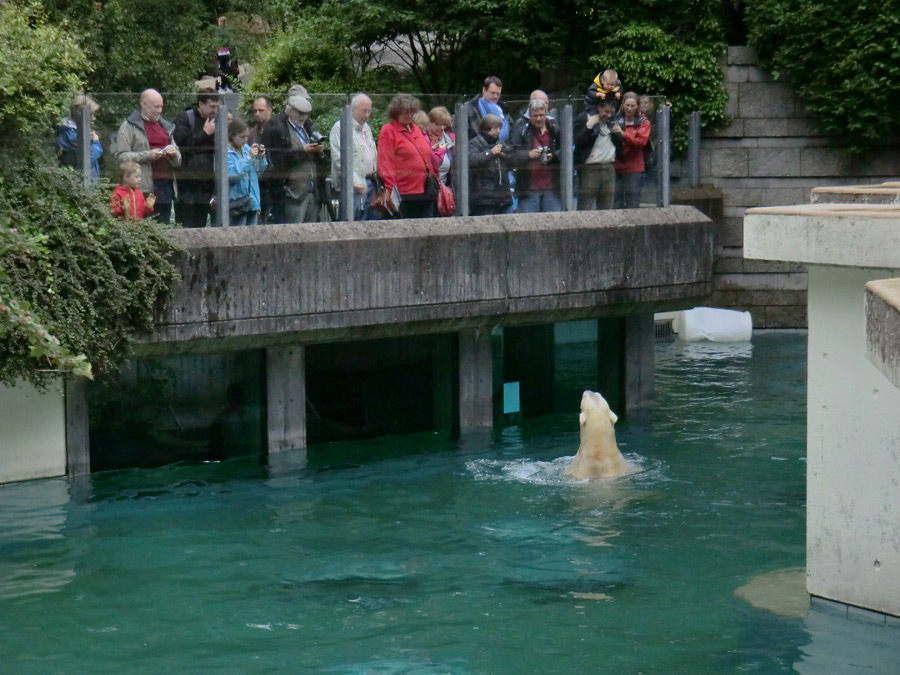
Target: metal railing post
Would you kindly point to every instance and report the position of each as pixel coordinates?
(461, 164)
(347, 189)
(83, 159)
(567, 161)
(663, 140)
(694, 149)
(220, 164)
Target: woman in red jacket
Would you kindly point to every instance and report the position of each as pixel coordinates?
(631, 131)
(404, 159)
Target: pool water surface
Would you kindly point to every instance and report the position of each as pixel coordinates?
(418, 555)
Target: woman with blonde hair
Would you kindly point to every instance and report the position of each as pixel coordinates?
(443, 141)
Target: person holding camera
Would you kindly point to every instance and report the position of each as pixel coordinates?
(296, 154)
(595, 156)
(490, 161)
(536, 152)
(245, 163)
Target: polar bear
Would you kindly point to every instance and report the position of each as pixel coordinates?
(598, 455)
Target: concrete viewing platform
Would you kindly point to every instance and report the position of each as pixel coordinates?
(257, 287)
(852, 250)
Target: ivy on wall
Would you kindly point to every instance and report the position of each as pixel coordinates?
(842, 59)
(75, 284)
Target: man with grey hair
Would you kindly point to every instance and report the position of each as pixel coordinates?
(364, 161)
(522, 119)
(536, 151)
(145, 137)
(296, 152)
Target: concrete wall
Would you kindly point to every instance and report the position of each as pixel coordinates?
(771, 153)
(260, 287)
(32, 433)
(853, 425)
(853, 450)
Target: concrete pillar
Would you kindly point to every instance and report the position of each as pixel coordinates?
(444, 388)
(285, 398)
(611, 362)
(78, 445)
(476, 407)
(625, 362)
(528, 358)
(640, 349)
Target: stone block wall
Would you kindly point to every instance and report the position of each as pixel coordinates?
(769, 154)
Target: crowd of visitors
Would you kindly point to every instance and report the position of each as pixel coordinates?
(281, 169)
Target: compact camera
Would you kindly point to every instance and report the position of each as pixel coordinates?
(545, 155)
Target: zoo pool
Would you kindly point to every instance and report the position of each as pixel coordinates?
(414, 555)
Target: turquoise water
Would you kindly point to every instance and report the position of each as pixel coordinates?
(413, 555)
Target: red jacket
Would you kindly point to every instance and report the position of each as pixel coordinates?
(129, 204)
(404, 157)
(630, 155)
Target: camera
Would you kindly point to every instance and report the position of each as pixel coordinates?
(545, 155)
(316, 138)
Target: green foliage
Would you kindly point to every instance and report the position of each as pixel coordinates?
(649, 59)
(75, 284)
(314, 51)
(93, 280)
(843, 60)
(36, 59)
(18, 324)
(163, 44)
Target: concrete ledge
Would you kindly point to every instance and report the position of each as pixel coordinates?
(250, 287)
(883, 327)
(886, 193)
(852, 235)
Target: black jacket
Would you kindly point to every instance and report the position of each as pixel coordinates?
(196, 177)
(285, 161)
(489, 173)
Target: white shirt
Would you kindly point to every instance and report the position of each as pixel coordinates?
(604, 151)
(365, 154)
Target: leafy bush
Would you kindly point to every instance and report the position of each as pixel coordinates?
(842, 59)
(37, 59)
(72, 279)
(132, 46)
(315, 52)
(93, 280)
(649, 59)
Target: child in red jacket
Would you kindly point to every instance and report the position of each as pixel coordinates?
(127, 201)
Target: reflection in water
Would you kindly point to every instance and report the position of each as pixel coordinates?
(33, 556)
